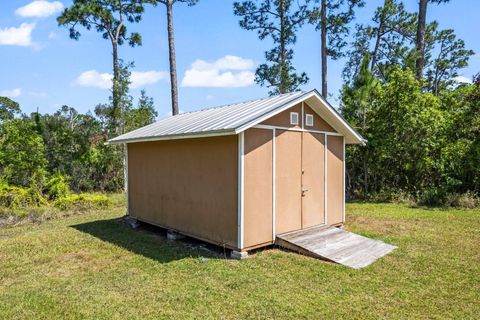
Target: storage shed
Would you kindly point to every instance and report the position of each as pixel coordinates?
(239, 175)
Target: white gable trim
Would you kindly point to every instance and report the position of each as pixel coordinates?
(314, 100)
(344, 129)
(268, 115)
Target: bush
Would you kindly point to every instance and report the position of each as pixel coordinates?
(432, 197)
(465, 200)
(82, 202)
(58, 186)
(394, 196)
(16, 197)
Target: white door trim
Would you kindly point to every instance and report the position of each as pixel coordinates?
(325, 180)
(325, 175)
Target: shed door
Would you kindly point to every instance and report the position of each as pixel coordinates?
(313, 179)
(288, 181)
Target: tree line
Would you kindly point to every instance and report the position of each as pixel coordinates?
(69, 145)
(400, 92)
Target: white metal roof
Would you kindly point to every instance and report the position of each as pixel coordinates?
(235, 118)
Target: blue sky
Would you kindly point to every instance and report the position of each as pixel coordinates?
(42, 68)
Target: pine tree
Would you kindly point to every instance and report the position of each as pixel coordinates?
(278, 20)
(332, 17)
(171, 48)
(421, 34)
(109, 17)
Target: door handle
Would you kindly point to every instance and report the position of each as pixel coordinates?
(303, 192)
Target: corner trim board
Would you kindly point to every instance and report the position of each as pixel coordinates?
(325, 180)
(241, 156)
(344, 177)
(125, 170)
(273, 184)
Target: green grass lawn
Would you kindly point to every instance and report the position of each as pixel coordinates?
(92, 266)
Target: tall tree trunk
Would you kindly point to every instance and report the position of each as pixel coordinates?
(365, 156)
(381, 29)
(365, 175)
(283, 70)
(323, 22)
(420, 40)
(115, 89)
(173, 64)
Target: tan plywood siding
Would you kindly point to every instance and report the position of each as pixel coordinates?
(335, 180)
(258, 187)
(188, 185)
(283, 118)
(318, 123)
(313, 181)
(288, 181)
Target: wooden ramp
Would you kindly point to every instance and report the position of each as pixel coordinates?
(335, 244)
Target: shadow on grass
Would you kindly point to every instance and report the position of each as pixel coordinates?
(149, 241)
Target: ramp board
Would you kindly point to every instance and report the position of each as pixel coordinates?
(335, 244)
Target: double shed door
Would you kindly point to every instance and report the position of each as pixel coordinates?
(299, 180)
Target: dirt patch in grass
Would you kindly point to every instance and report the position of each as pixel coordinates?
(385, 226)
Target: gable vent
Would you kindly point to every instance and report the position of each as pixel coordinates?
(294, 118)
(309, 120)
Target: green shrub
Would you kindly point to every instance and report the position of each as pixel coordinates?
(16, 197)
(432, 196)
(83, 202)
(394, 196)
(57, 186)
(464, 200)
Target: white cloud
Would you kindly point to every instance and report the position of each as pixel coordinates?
(11, 93)
(38, 94)
(52, 35)
(39, 9)
(226, 72)
(93, 78)
(141, 79)
(209, 97)
(463, 79)
(226, 63)
(21, 36)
